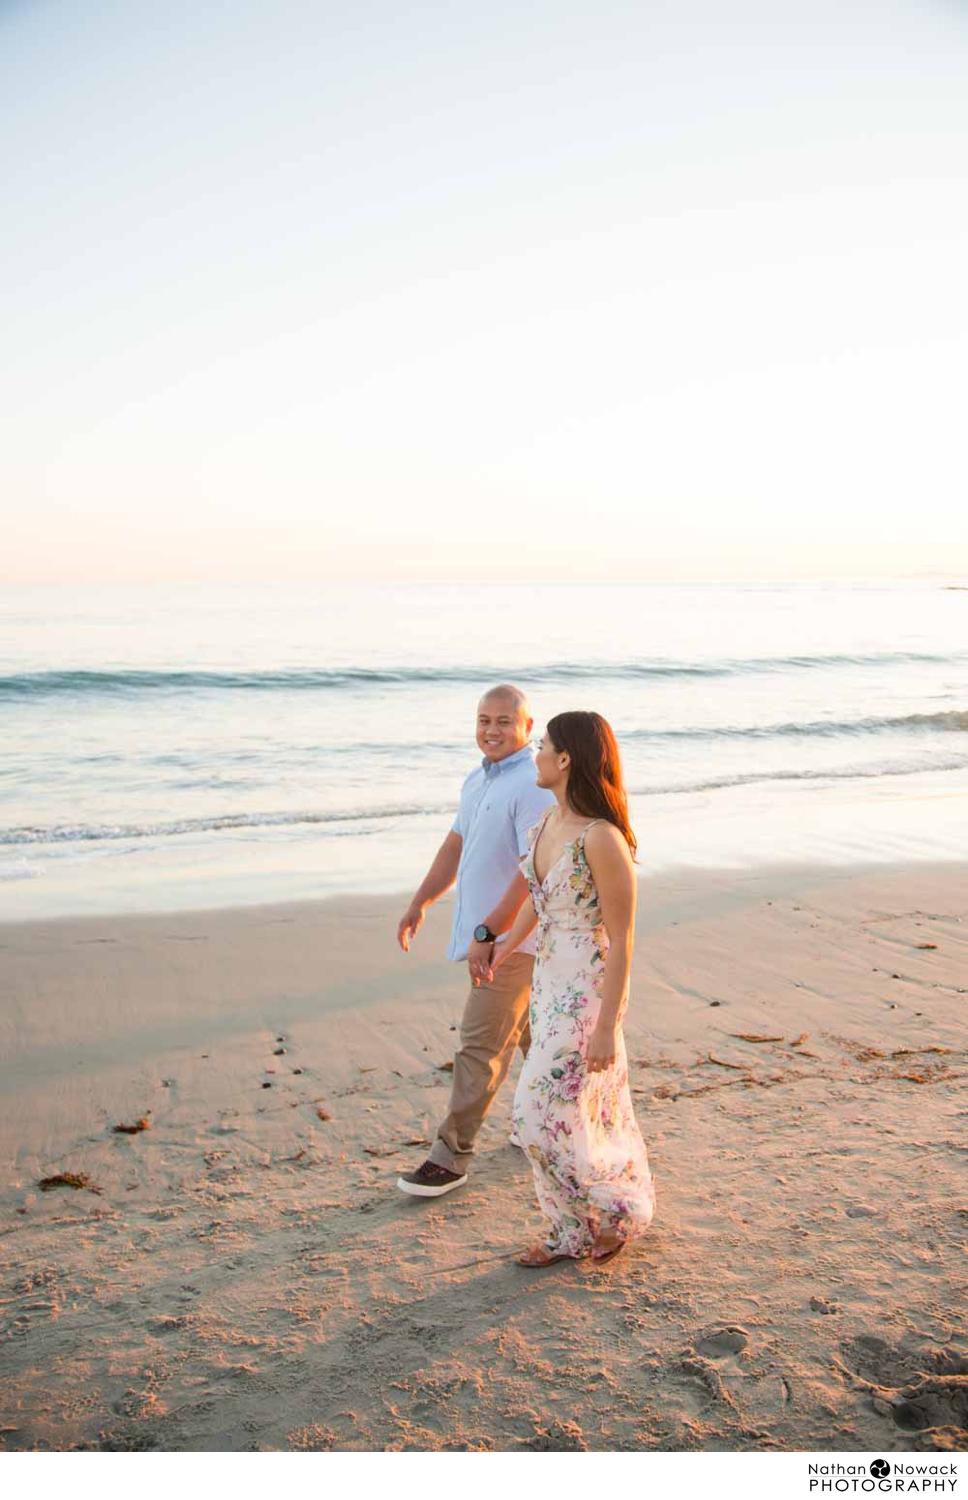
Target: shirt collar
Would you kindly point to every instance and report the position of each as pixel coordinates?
(491, 768)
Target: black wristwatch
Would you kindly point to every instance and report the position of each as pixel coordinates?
(483, 934)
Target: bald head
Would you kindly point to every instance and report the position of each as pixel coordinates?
(510, 694)
(504, 722)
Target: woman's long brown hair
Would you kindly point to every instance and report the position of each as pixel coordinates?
(595, 786)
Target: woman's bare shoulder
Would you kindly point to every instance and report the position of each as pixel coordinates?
(605, 839)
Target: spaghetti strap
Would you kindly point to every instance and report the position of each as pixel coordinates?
(539, 827)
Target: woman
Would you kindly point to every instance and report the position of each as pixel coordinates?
(572, 1110)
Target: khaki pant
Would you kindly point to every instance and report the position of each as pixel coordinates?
(495, 1021)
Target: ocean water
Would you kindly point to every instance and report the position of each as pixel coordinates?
(168, 748)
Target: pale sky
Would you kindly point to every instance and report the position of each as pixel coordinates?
(664, 289)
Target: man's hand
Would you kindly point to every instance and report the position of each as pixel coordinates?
(479, 956)
(601, 1049)
(411, 920)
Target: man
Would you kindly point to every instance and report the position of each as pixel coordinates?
(498, 804)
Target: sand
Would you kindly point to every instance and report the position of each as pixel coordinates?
(244, 1274)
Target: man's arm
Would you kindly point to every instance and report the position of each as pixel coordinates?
(438, 879)
(527, 811)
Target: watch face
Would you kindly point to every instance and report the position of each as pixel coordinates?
(480, 934)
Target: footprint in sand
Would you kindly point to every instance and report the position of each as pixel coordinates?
(559, 1437)
(690, 1366)
(877, 1361)
(891, 1366)
(164, 1325)
(935, 1401)
(717, 1343)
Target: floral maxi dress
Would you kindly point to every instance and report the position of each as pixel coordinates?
(578, 1129)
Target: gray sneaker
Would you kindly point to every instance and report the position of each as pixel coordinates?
(430, 1181)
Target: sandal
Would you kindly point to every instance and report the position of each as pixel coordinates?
(550, 1257)
(609, 1254)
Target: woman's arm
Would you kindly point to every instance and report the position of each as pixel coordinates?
(614, 875)
(525, 922)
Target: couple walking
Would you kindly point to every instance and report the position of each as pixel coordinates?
(541, 851)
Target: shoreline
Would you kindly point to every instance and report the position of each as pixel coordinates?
(796, 867)
(869, 823)
(247, 1275)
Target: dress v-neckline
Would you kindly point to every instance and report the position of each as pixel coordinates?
(565, 847)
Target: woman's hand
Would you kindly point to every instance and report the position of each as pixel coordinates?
(601, 1049)
(480, 958)
(498, 955)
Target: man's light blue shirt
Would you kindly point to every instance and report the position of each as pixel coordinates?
(498, 804)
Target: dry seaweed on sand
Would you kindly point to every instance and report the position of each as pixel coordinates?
(76, 1180)
(139, 1125)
